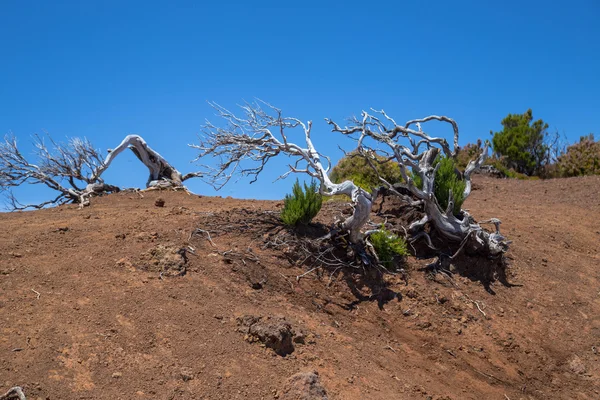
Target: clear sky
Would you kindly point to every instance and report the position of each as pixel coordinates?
(105, 69)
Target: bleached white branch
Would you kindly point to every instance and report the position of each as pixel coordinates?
(264, 133)
(74, 169)
(383, 129)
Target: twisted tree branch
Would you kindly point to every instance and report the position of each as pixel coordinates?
(74, 169)
(382, 129)
(262, 134)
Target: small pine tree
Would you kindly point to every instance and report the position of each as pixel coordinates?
(387, 246)
(523, 143)
(302, 205)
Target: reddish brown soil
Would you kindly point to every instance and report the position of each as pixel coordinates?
(108, 325)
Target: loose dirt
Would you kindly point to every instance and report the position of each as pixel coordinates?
(120, 301)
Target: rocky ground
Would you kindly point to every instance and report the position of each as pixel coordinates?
(129, 299)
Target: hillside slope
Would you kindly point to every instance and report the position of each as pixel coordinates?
(92, 305)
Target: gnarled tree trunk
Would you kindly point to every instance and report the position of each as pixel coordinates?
(462, 228)
(252, 139)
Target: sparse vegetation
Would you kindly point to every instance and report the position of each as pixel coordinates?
(388, 246)
(302, 205)
(582, 158)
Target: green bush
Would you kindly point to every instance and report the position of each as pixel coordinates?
(446, 178)
(355, 168)
(581, 158)
(302, 205)
(387, 246)
(523, 143)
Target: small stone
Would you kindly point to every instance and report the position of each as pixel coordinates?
(117, 375)
(186, 374)
(305, 385)
(576, 366)
(160, 202)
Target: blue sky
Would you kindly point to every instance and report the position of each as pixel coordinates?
(105, 69)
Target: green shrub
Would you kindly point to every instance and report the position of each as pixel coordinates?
(523, 143)
(387, 246)
(446, 178)
(355, 168)
(581, 158)
(302, 205)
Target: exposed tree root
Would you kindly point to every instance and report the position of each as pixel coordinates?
(15, 393)
(454, 228)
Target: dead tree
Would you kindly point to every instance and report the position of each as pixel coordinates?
(74, 169)
(378, 128)
(162, 174)
(263, 134)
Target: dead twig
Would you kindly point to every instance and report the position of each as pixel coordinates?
(288, 281)
(389, 348)
(198, 230)
(477, 304)
(36, 292)
(306, 273)
(490, 376)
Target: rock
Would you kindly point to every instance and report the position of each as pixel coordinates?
(423, 324)
(117, 375)
(256, 285)
(274, 332)
(160, 202)
(576, 366)
(186, 374)
(304, 386)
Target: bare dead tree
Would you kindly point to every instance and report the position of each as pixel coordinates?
(379, 128)
(65, 168)
(162, 174)
(261, 134)
(74, 169)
